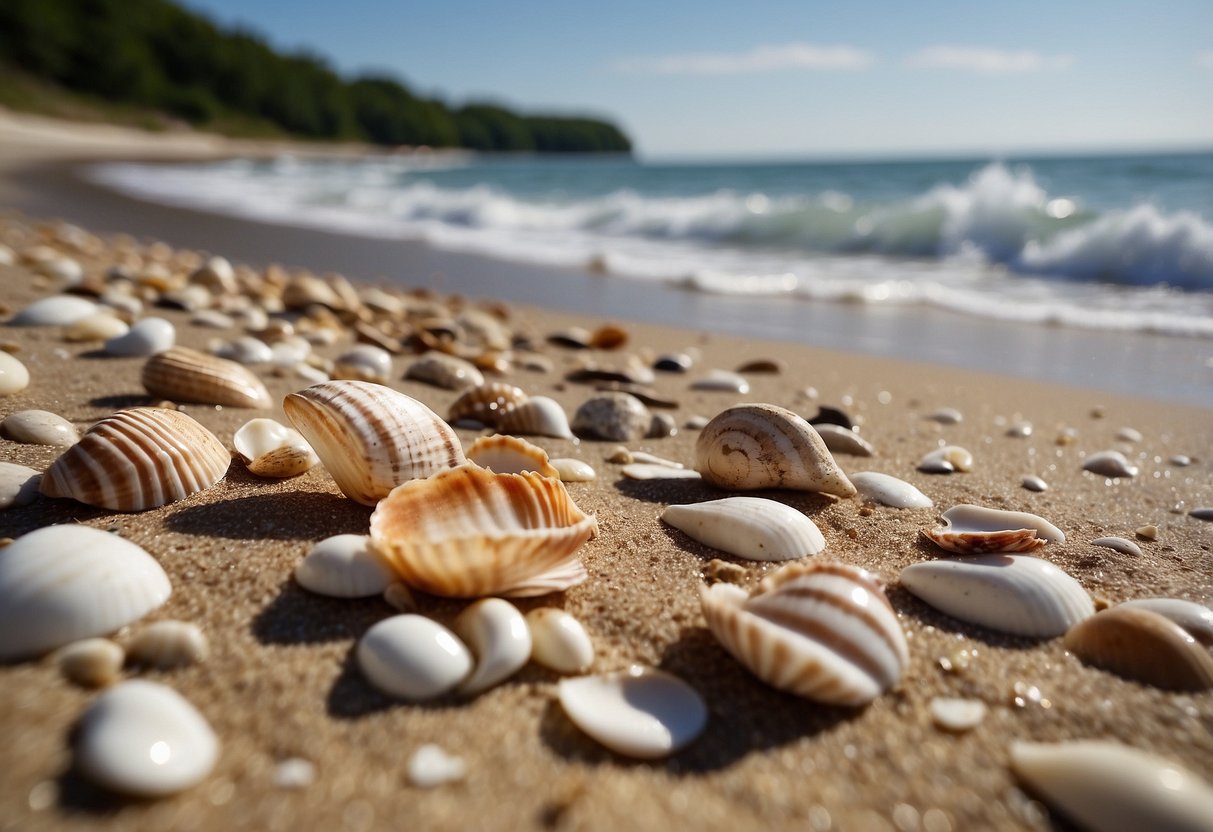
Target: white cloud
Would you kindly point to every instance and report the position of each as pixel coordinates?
(988, 61)
(1205, 59)
(766, 58)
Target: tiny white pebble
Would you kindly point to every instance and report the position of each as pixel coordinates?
(431, 766)
(957, 714)
(295, 773)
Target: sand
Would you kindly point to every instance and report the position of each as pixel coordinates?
(281, 682)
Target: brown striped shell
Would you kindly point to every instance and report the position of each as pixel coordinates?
(977, 530)
(138, 459)
(823, 631)
(185, 375)
(1142, 645)
(486, 402)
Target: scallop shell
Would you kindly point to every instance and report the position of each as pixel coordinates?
(1197, 619)
(1108, 786)
(976, 530)
(498, 637)
(1111, 464)
(558, 641)
(889, 491)
(749, 527)
(413, 658)
(370, 437)
(446, 371)
(468, 532)
(271, 449)
(165, 645)
(510, 455)
(14, 377)
(344, 566)
(824, 631)
(185, 375)
(39, 427)
(60, 584)
(945, 460)
(138, 459)
(616, 416)
(842, 440)
(486, 402)
(537, 416)
(754, 446)
(1143, 645)
(1014, 594)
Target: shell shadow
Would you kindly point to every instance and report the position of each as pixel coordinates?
(77, 795)
(667, 491)
(297, 616)
(121, 401)
(293, 515)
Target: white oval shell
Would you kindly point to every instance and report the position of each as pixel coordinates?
(344, 566)
(1014, 594)
(168, 644)
(148, 337)
(1196, 619)
(722, 381)
(537, 416)
(100, 326)
(18, 485)
(1119, 544)
(573, 470)
(889, 491)
(1127, 434)
(413, 658)
(14, 377)
(558, 641)
(945, 416)
(91, 662)
(1110, 464)
(1035, 483)
(970, 529)
(498, 637)
(39, 427)
(749, 527)
(57, 310)
(842, 440)
(60, 584)
(642, 712)
(144, 739)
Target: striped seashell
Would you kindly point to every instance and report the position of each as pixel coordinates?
(138, 459)
(1143, 645)
(824, 631)
(537, 416)
(468, 532)
(510, 455)
(1014, 594)
(446, 371)
(754, 446)
(372, 438)
(486, 402)
(749, 527)
(977, 530)
(185, 375)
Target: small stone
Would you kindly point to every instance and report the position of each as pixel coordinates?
(431, 766)
(957, 715)
(295, 773)
(1035, 483)
(1149, 532)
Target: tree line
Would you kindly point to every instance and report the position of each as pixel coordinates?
(155, 54)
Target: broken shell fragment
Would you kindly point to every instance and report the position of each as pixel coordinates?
(344, 566)
(165, 645)
(39, 427)
(1111, 464)
(510, 455)
(889, 491)
(975, 530)
(271, 449)
(749, 527)
(184, 375)
(498, 637)
(842, 440)
(413, 658)
(1119, 544)
(431, 766)
(1139, 644)
(558, 641)
(946, 460)
(657, 471)
(957, 715)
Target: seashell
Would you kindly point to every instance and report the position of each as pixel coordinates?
(370, 437)
(1111, 787)
(181, 374)
(641, 712)
(290, 351)
(304, 290)
(1111, 464)
(945, 460)
(1147, 532)
(945, 416)
(57, 310)
(1196, 619)
(468, 532)
(842, 440)
(749, 527)
(431, 766)
(39, 427)
(165, 645)
(14, 377)
(824, 631)
(620, 455)
(573, 470)
(831, 416)
(1205, 514)
(145, 739)
(245, 350)
(100, 326)
(558, 641)
(138, 459)
(1020, 430)
(18, 485)
(653, 471)
(213, 319)
(1014, 594)
(510, 455)
(889, 491)
(1180, 460)
(975, 530)
(148, 337)
(678, 362)
(486, 402)
(126, 305)
(957, 715)
(537, 416)
(762, 366)
(446, 371)
(754, 446)
(217, 275)
(632, 373)
(574, 338)
(91, 662)
(364, 362)
(187, 298)
(1142, 645)
(722, 381)
(60, 584)
(1119, 544)
(498, 637)
(271, 449)
(616, 416)
(1128, 435)
(344, 566)
(535, 363)
(652, 459)
(1034, 483)
(608, 337)
(413, 658)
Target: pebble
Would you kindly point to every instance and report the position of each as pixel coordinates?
(1111, 464)
(18, 485)
(573, 470)
(1035, 483)
(1149, 532)
(148, 337)
(13, 376)
(957, 715)
(432, 766)
(413, 658)
(39, 427)
(1205, 514)
(945, 416)
(673, 363)
(1128, 435)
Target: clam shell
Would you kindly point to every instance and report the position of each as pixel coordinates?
(755, 446)
(271, 449)
(344, 566)
(510, 455)
(18, 485)
(148, 337)
(1109, 786)
(100, 326)
(722, 381)
(1197, 619)
(823, 631)
(468, 533)
(245, 350)
(558, 641)
(537, 416)
(181, 374)
(370, 437)
(14, 377)
(413, 658)
(842, 440)
(975, 530)
(138, 459)
(57, 310)
(889, 491)
(91, 662)
(945, 460)
(364, 362)
(1143, 645)
(39, 427)
(165, 645)
(1111, 464)
(749, 527)
(486, 402)
(446, 371)
(573, 470)
(498, 637)
(60, 584)
(1015, 594)
(617, 416)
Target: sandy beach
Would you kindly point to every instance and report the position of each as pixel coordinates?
(281, 681)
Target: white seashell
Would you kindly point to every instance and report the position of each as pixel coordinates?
(100, 326)
(446, 371)
(754, 446)
(1128, 435)
(722, 381)
(1014, 594)
(957, 715)
(271, 449)
(1119, 544)
(824, 631)
(496, 633)
(971, 530)
(573, 470)
(641, 712)
(245, 350)
(294, 773)
(1111, 464)
(431, 766)
(57, 310)
(290, 351)
(1020, 430)
(945, 460)
(14, 377)
(364, 362)
(122, 302)
(165, 645)
(650, 471)
(749, 527)
(945, 416)
(1196, 619)
(18, 485)
(185, 375)
(60, 584)
(144, 739)
(370, 437)
(344, 566)
(558, 641)
(147, 337)
(213, 319)
(1180, 460)
(1147, 532)
(510, 455)
(63, 269)
(651, 459)
(39, 427)
(842, 440)
(1035, 483)
(889, 491)
(616, 416)
(217, 275)
(1111, 787)
(413, 658)
(537, 416)
(91, 662)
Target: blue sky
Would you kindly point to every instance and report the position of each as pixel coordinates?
(793, 79)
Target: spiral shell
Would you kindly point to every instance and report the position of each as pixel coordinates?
(755, 446)
(370, 437)
(185, 375)
(468, 532)
(138, 459)
(486, 402)
(822, 631)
